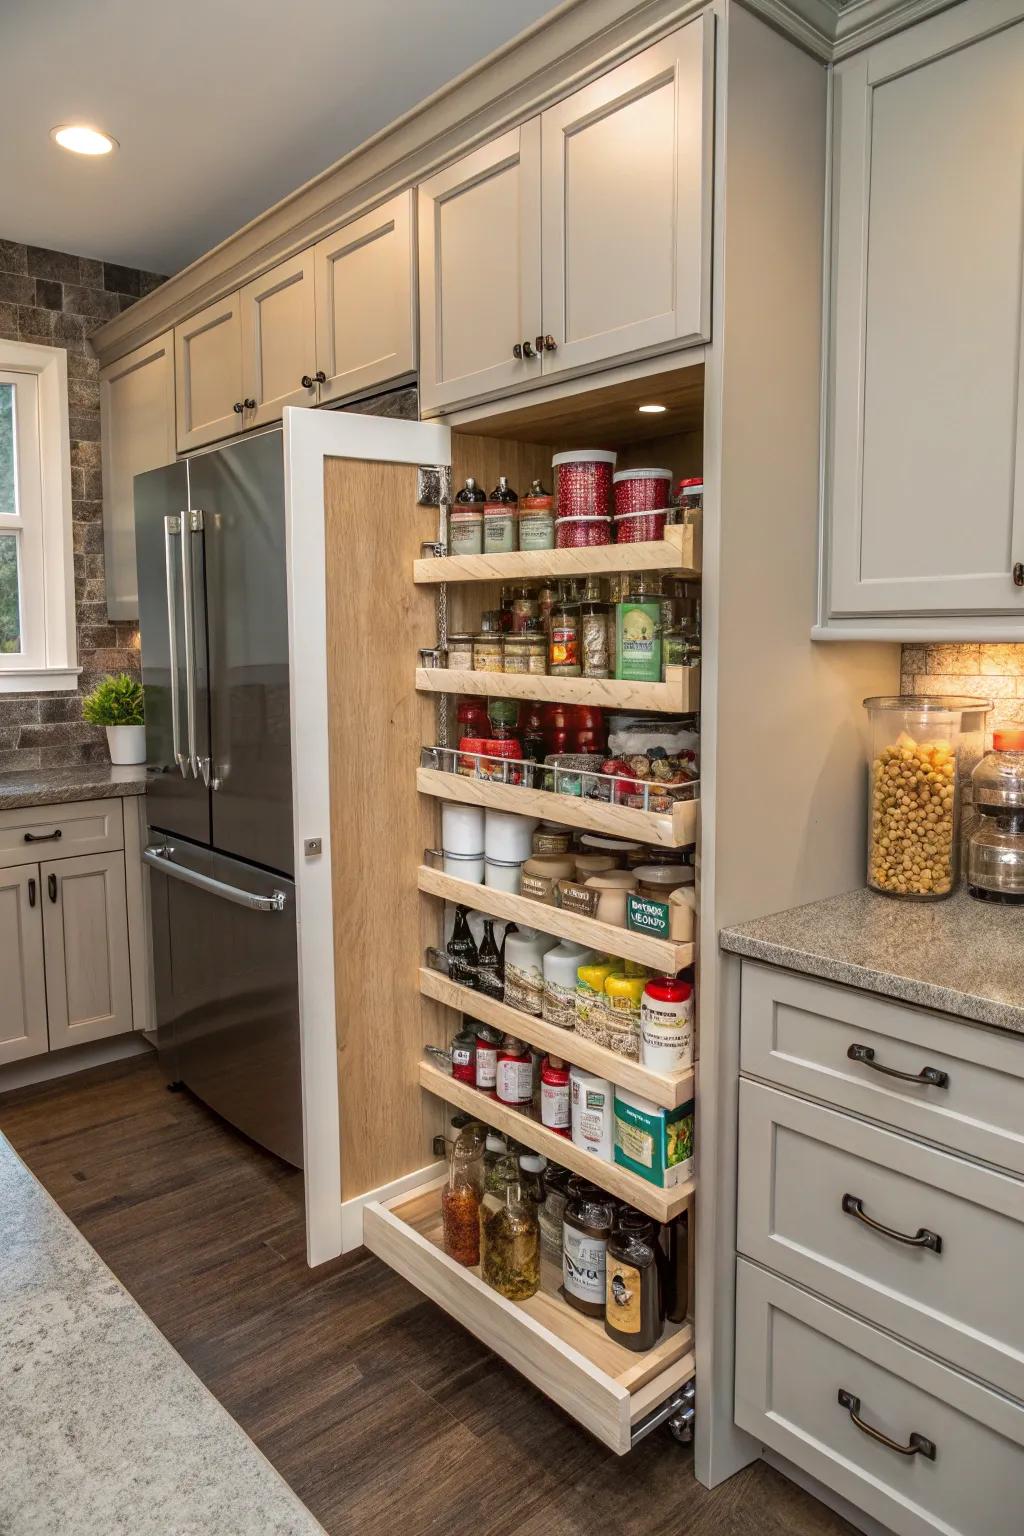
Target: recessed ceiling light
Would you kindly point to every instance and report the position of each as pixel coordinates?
(82, 140)
(652, 410)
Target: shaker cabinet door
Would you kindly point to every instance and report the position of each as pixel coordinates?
(137, 428)
(479, 271)
(926, 472)
(626, 177)
(366, 301)
(22, 984)
(85, 938)
(278, 340)
(208, 374)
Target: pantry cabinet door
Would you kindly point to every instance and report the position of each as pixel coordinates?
(626, 178)
(926, 472)
(278, 340)
(366, 301)
(208, 374)
(22, 985)
(85, 939)
(479, 272)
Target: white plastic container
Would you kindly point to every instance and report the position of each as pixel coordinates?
(464, 866)
(592, 1103)
(560, 966)
(508, 837)
(462, 828)
(524, 969)
(615, 885)
(503, 875)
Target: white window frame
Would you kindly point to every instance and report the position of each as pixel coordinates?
(49, 660)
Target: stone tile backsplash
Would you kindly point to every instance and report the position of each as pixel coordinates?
(993, 672)
(55, 299)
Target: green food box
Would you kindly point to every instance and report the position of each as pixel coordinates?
(655, 1143)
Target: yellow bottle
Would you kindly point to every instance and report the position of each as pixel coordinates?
(590, 980)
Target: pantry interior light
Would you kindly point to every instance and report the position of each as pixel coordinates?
(82, 140)
(652, 410)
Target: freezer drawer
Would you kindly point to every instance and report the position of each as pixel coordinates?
(226, 979)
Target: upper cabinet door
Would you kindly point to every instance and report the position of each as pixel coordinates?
(627, 172)
(366, 301)
(278, 340)
(926, 471)
(479, 268)
(137, 428)
(208, 374)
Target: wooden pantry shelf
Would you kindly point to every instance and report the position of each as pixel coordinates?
(679, 694)
(678, 552)
(660, 954)
(669, 1091)
(668, 829)
(661, 1204)
(569, 1357)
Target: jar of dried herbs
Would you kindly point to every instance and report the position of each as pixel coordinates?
(509, 1237)
(594, 639)
(460, 1199)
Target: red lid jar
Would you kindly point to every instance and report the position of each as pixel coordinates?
(583, 482)
(470, 745)
(554, 1095)
(514, 1084)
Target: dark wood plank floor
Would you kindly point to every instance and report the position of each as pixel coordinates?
(381, 1413)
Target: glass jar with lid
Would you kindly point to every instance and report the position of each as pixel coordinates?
(460, 1199)
(564, 642)
(459, 653)
(995, 851)
(509, 1236)
(516, 654)
(488, 653)
(586, 1228)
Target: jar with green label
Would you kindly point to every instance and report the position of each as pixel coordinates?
(638, 640)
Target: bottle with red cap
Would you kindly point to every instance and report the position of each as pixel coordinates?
(554, 1095)
(666, 1024)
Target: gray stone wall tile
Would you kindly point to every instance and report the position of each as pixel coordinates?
(13, 257)
(59, 265)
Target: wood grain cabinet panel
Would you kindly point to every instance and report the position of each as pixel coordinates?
(22, 985)
(278, 340)
(926, 474)
(626, 181)
(137, 426)
(208, 374)
(85, 940)
(366, 301)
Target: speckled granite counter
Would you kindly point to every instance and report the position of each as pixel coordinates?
(105, 1428)
(959, 956)
(56, 786)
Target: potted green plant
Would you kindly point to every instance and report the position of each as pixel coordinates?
(117, 703)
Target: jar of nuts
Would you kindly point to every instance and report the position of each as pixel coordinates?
(914, 793)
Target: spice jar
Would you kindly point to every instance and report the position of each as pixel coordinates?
(536, 652)
(460, 653)
(466, 521)
(495, 1151)
(591, 1112)
(487, 653)
(560, 967)
(633, 1309)
(689, 498)
(460, 1199)
(463, 1050)
(552, 838)
(485, 1060)
(586, 1228)
(564, 644)
(594, 639)
(550, 1217)
(509, 1237)
(524, 976)
(532, 1168)
(638, 632)
(515, 653)
(501, 519)
(537, 519)
(583, 482)
(622, 1012)
(525, 606)
(547, 598)
(554, 1095)
(666, 1025)
(641, 504)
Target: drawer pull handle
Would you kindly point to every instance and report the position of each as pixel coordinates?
(51, 886)
(854, 1206)
(930, 1076)
(43, 837)
(918, 1445)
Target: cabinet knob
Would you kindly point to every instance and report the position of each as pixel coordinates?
(1018, 574)
(528, 350)
(238, 407)
(309, 380)
(517, 350)
(249, 404)
(320, 376)
(549, 344)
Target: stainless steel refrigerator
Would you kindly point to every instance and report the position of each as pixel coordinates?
(210, 546)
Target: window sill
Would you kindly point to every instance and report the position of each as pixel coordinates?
(41, 680)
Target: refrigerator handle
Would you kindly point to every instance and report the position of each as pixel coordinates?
(188, 522)
(161, 858)
(172, 529)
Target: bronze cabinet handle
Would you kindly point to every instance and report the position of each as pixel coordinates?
(922, 1238)
(547, 344)
(51, 886)
(930, 1077)
(528, 349)
(517, 350)
(917, 1445)
(31, 893)
(1018, 573)
(43, 837)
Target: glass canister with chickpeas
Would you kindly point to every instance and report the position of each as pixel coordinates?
(914, 791)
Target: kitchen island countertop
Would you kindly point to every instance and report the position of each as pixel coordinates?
(106, 1429)
(961, 956)
(57, 786)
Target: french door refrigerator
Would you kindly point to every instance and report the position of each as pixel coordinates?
(210, 545)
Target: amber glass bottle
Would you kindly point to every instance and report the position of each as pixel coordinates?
(632, 1288)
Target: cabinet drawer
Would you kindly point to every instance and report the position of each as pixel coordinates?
(801, 1170)
(795, 1354)
(798, 1033)
(84, 826)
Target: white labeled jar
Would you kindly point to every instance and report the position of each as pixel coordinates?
(560, 967)
(666, 1025)
(591, 1100)
(524, 974)
(508, 837)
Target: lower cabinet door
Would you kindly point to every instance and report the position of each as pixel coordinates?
(85, 939)
(22, 987)
(915, 1445)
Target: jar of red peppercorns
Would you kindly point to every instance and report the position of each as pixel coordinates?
(583, 482)
(641, 504)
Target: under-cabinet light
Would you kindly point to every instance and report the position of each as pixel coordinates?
(82, 140)
(652, 410)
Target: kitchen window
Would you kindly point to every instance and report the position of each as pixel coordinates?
(37, 617)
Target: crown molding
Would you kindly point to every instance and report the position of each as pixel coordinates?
(867, 21)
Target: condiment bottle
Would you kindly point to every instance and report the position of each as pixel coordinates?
(500, 519)
(495, 1150)
(490, 975)
(677, 1299)
(594, 640)
(632, 1290)
(591, 1105)
(586, 1228)
(460, 1200)
(485, 1060)
(509, 1236)
(537, 518)
(466, 521)
(532, 1168)
(515, 1073)
(666, 1025)
(560, 966)
(638, 634)
(464, 1056)
(564, 642)
(554, 1095)
(462, 951)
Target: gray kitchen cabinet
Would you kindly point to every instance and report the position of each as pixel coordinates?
(209, 398)
(22, 983)
(137, 428)
(278, 340)
(925, 497)
(85, 947)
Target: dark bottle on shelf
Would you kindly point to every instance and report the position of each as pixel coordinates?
(470, 492)
(633, 1315)
(490, 971)
(463, 957)
(677, 1233)
(504, 492)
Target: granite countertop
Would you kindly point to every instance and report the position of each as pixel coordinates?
(105, 1428)
(56, 786)
(960, 956)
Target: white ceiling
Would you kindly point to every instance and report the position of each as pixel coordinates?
(221, 107)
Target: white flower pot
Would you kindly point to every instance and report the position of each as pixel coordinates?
(127, 744)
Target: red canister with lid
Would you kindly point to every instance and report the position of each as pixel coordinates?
(470, 746)
(515, 1073)
(642, 499)
(582, 532)
(554, 1095)
(583, 482)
